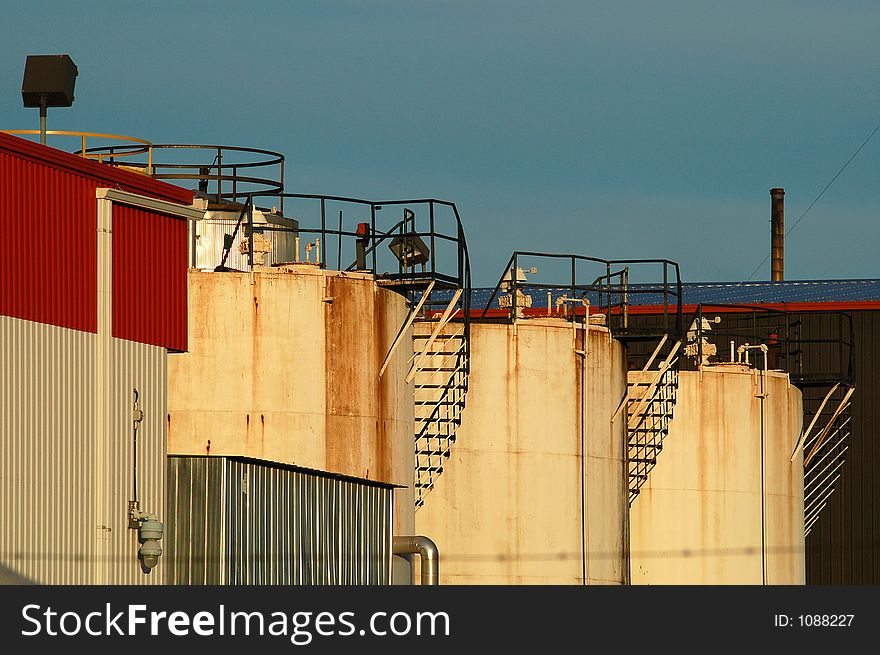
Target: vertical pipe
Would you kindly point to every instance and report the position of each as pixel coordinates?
(513, 289)
(665, 297)
(250, 217)
(763, 476)
(777, 234)
(43, 120)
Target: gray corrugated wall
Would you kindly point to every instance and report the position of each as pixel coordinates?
(234, 521)
(142, 367)
(46, 519)
(51, 491)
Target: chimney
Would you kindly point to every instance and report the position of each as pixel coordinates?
(777, 234)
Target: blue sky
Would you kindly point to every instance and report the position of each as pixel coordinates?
(625, 129)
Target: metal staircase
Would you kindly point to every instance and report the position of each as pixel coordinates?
(650, 402)
(440, 377)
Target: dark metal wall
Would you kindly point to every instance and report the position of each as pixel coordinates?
(844, 545)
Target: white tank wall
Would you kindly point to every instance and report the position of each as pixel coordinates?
(508, 507)
(698, 519)
(67, 453)
(283, 366)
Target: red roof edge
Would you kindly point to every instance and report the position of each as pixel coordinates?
(110, 175)
(824, 306)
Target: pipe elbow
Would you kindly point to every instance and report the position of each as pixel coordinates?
(426, 550)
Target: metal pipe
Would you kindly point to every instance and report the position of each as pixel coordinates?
(777, 234)
(43, 120)
(426, 550)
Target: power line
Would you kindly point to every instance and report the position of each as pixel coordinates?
(836, 175)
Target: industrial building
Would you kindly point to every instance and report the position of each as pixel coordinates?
(85, 329)
(241, 385)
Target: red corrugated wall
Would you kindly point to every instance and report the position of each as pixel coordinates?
(48, 271)
(48, 221)
(149, 277)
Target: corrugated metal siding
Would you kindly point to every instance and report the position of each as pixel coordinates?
(237, 521)
(54, 505)
(46, 451)
(209, 241)
(47, 218)
(101, 174)
(843, 546)
(142, 367)
(149, 277)
(49, 270)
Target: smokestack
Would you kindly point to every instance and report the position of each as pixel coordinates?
(777, 234)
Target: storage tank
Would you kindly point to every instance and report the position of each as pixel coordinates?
(283, 367)
(221, 228)
(534, 491)
(724, 503)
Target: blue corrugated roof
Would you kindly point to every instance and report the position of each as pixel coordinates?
(694, 293)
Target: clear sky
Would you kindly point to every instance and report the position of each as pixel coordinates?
(612, 129)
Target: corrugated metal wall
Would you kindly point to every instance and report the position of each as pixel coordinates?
(46, 399)
(54, 505)
(149, 277)
(47, 218)
(234, 521)
(844, 545)
(142, 367)
(48, 221)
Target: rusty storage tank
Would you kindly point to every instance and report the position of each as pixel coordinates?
(309, 364)
(535, 488)
(724, 503)
(282, 366)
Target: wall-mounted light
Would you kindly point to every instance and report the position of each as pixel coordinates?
(149, 527)
(149, 534)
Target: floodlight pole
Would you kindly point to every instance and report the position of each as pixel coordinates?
(43, 112)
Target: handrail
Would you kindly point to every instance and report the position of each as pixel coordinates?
(218, 167)
(781, 330)
(143, 147)
(608, 285)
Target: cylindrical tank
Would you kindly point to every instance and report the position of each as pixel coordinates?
(283, 366)
(534, 491)
(724, 505)
(208, 236)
